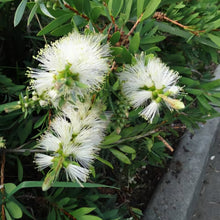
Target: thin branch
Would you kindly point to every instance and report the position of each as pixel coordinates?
(135, 25)
(132, 29)
(2, 184)
(165, 142)
(138, 136)
(161, 16)
(75, 11)
(38, 20)
(81, 15)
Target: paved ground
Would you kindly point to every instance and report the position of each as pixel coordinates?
(208, 203)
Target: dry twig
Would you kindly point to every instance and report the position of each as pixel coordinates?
(165, 142)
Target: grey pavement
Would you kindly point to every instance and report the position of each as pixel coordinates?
(208, 202)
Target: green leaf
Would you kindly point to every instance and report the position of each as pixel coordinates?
(83, 6)
(9, 187)
(112, 138)
(20, 169)
(8, 217)
(24, 130)
(116, 85)
(14, 210)
(193, 91)
(140, 6)
(134, 43)
(150, 8)
(63, 201)
(137, 211)
(96, 12)
(115, 38)
(31, 184)
(115, 7)
(127, 149)
(206, 42)
(81, 211)
(89, 217)
(45, 11)
(189, 82)
(40, 121)
(153, 39)
(211, 85)
(128, 10)
(122, 157)
(121, 54)
(9, 107)
(52, 214)
(162, 26)
(105, 162)
(203, 101)
(55, 23)
(31, 15)
(215, 101)
(19, 12)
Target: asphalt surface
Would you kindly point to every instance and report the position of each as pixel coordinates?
(208, 202)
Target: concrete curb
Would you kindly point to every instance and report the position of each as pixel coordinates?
(175, 196)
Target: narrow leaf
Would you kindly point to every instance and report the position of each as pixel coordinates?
(32, 13)
(122, 157)
(115, 38)
(127, 149)
(89, 217)
(215, 39)
(31, 184)
(81, 211)
(105, 162)
(14, 210)
(151, 40)
(111, 139)
(211, 85)
(134, 43)
(19, 12)
(55, 23)
(140, 6)
(20, 169)
(45, 11)
(150, 9)
(40, 121)
(116, 7)
(203, 101)
(128, 9)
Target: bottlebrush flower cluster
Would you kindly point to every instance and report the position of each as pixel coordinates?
(72, 141)
(149, 85)
(71, 66)
(70, 69)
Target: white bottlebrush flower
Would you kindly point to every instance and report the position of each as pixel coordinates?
(77, 173)
(73, 65)
(72, 141)
(147, 85)
(150, 111)
(43, 161)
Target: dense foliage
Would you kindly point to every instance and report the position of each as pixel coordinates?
(183, 34)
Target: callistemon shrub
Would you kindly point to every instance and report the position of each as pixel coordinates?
(149, 85)
(69, 67)
(72, 142)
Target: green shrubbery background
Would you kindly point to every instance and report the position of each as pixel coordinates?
(184, 34)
